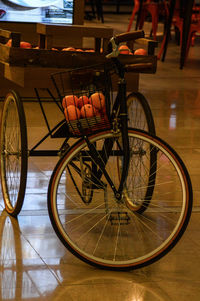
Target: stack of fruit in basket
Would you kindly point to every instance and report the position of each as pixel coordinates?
(84, 107)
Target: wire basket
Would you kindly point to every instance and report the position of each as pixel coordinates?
(86, 96)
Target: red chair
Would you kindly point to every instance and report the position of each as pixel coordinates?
(135, 10)
(194, 26)
(148, 6)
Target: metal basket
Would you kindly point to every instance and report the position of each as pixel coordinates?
(88, 91)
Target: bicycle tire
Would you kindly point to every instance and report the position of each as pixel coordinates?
(14, 157)
(106, 233)
(140, 117)
(139, 113)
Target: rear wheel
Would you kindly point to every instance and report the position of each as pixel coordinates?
(139, 113)
(106, 232)
(13, 153)
(140, 117)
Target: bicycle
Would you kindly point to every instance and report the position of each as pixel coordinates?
(111, 182)
(119, 198)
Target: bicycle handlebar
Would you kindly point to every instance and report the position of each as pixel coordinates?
(123, 37)
(146, 65)
(129, 36)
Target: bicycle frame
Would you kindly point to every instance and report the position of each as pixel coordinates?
(120, 123)
(34, 152)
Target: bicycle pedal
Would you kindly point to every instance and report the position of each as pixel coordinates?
(119, 218)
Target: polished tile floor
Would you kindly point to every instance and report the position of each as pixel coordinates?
(34, 265)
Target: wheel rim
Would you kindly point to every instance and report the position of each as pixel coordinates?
(13, 155)
(139, 112)
(133, 239)
(144, 165)
(140, 117)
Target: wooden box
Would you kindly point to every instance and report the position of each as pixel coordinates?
(31, 68)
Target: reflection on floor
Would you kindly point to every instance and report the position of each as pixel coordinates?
(34, 265)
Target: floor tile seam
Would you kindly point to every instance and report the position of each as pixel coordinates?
(39, 212)
(23, 235)
(113, 282)
(41, 258)
(44, 212)
(42, 172)
(196, 209)
(179, 77)
(177, 280)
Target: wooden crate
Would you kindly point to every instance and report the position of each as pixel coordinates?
(55, 36)
(31, 68)
(64, 36)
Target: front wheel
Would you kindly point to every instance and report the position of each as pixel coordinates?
(106, 232)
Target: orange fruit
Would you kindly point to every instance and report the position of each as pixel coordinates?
(140, 51)
(88, 111)
(9, 43)
(89, 50)
(98, 100)
(72, 113)
(69, 49)
(123, 49)
(83, 100)
(70, 100)
(25, 45)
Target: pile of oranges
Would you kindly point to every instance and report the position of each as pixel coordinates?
(84, 107)
(123, 49)
(77, 49)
